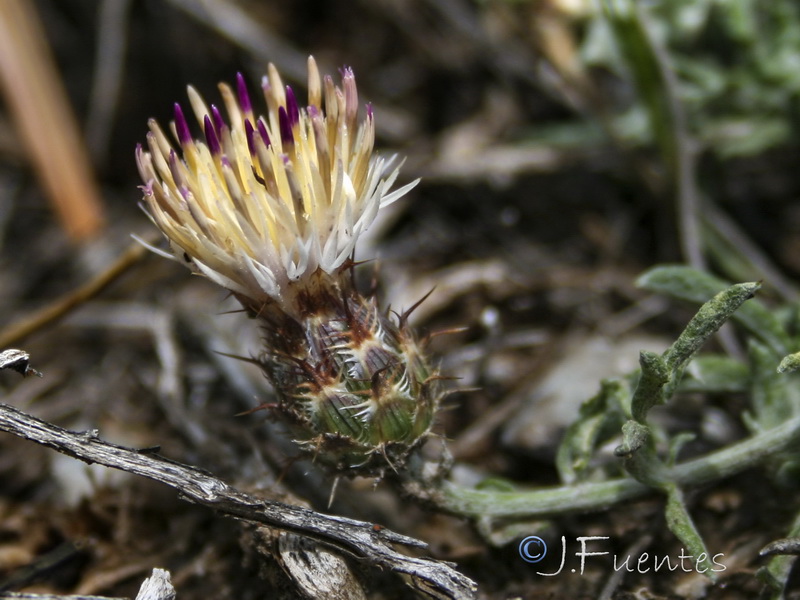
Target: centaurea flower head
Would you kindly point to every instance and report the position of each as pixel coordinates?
(271, 208)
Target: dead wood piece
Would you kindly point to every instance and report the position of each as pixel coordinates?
(17, 360)
(157, 587)
(26, 596)
(318, 572)
(434, 578)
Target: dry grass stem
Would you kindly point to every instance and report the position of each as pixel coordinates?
(45, 121)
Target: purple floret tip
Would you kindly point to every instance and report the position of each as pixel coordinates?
(219, 123)
(285, 126)
(211, 136)
(181, 126)
(262, 130)
(291, 106)
(244, 97)
(249, 134)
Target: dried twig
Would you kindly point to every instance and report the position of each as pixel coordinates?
(363, 540)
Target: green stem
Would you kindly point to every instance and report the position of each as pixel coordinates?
(596, 496)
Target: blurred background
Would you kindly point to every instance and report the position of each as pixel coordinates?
(564, 146)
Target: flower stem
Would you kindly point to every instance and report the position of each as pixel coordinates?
(596, 496)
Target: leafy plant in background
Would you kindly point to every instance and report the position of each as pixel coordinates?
(689, 79)
(648, 453)
(705, 76)
(735, 64)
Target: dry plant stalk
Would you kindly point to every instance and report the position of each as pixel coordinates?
(40, 107)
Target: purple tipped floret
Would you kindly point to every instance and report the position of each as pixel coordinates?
(291, 107)
(249, 134)
(285, 126)
(219, 123)
(244, 97)
(181, 126)
(211, 137)
(369, 111)
(262, 130)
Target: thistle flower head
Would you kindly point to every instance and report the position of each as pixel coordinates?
(267, 205)
(271, 208)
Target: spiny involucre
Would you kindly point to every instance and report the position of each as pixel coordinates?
(271, 208)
